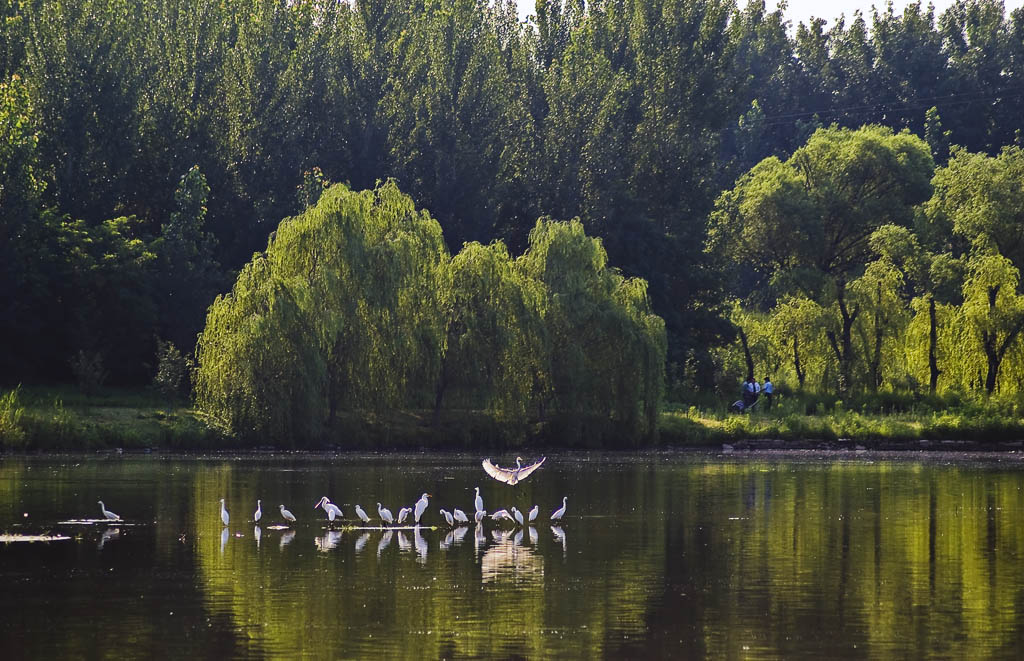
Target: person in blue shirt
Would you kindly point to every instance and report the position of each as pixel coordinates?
(768, 389)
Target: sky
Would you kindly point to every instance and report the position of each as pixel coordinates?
(802, 10)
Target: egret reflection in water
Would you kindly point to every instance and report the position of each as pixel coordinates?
(328, 541)
(421, 544)
(385, 541)
(403, 542)
(286, 538)
(559, 537)
(508, 560)
(224, 534)
(108, 534)
(361, 542)
(257, 534)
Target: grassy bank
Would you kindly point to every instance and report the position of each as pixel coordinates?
(34, 419)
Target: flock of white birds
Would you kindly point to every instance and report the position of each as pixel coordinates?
(454, 518)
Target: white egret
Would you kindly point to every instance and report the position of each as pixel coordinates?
(502, 514)
(479, 516)
(385, 514)
(403, 514)
(286, 515)
(533, 513)
(448, 517)
(511, 476)
(460, 516)
(329, 508)
(224, 516)
(361, 514)
(258, 514)
(518, 515)
(110, 516)
(478, 502)
(421, 506)
(560, 512)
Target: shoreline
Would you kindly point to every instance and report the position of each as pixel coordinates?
(59, 419)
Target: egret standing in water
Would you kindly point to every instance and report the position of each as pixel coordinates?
(329, 508)
(107, 514)
(258, 514)
(286, 515)
(362, 515)
(224, 517)
(533, 513)
(403, 514)
(385, 514)
(478, 502)
(460, 516)
(448, 517)
(518, 515)
(560, 512)
(511, 476)
(421, 507)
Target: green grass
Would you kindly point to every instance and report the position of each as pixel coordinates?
(869, 418)
(65, 419)
(62, 418)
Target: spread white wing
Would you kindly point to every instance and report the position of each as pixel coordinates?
(525, 471)
(497, 472)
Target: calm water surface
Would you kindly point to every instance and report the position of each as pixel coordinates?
(663, 556)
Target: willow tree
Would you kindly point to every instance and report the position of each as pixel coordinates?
(808, 220)
(991, 318)
(343, 305)
(493, 348)
(607, 348)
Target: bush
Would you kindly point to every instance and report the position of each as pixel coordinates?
(12, 435)
(172, 370)
(89, 371)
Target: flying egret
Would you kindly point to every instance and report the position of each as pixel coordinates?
(385, 514)
(286, 515)
(448, 517)
(511, 476)
(533, 513)
(518, 515)
(478, 502)
(361, 514)
(258, 514)
(107, 514)
(560, 512)
(224, 517)
(421, 506)
(403, 514)
(460, 516)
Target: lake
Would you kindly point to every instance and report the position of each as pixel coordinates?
(667, 555)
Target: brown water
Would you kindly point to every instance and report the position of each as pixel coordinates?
(668, 555)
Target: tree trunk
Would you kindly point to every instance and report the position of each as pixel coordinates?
(933, 342)
(876, 359)
(746, 354)
(843, 345)
(796, 363)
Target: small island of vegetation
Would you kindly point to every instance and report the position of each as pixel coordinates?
(719, 194)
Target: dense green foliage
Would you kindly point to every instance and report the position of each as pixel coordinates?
(149, 147)
(356, 307)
